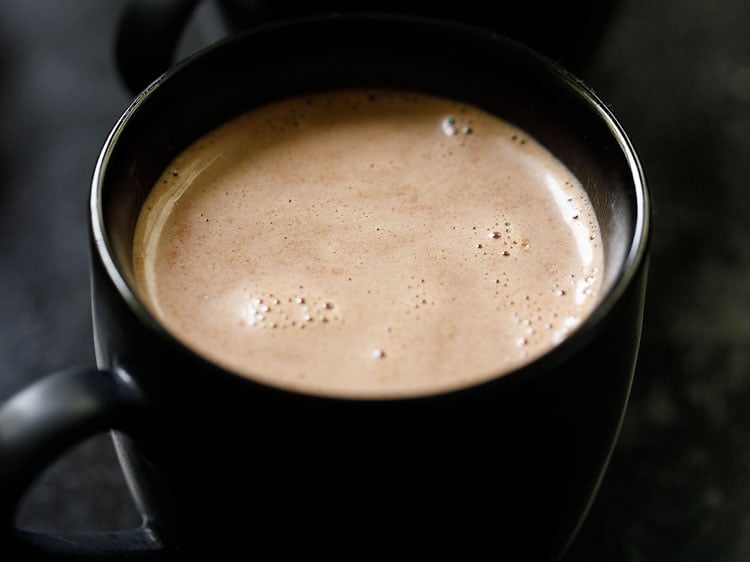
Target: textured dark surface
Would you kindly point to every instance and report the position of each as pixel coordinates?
(676, 73)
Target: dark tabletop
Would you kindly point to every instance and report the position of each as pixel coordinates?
(677, 75)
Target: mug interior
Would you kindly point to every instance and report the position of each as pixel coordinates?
(447, 60)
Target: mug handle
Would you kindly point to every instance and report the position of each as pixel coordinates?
(147, 39)
(36, 426)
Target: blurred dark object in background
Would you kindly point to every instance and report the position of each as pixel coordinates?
(567, 32)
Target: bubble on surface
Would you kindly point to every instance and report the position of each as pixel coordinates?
(268, 311)
(449, 126)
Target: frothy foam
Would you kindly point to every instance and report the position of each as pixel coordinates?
(368, 244)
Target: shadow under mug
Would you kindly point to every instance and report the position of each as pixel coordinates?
(216, 462)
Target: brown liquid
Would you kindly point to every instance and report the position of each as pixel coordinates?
(368, 244)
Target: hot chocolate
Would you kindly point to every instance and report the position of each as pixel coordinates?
(368, 244)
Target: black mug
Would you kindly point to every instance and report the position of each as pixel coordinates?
(216, 462)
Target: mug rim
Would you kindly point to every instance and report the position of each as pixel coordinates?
(630, 265)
